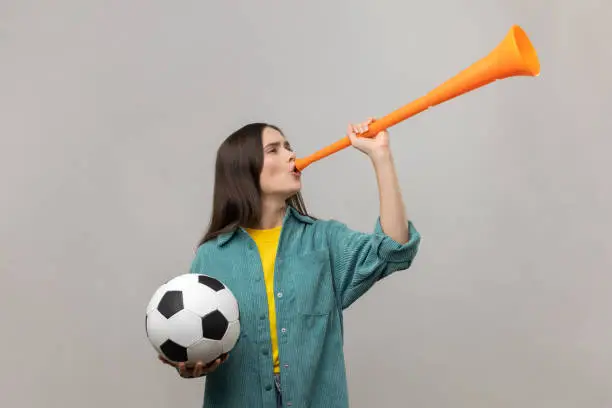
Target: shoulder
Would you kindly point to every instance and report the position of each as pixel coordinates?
(318, 234)
(329, 227)
(316, 226)
(206, 247)
(204, 253)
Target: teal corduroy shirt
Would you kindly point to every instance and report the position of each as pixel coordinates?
(322, 267)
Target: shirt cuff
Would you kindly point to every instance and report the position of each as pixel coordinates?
(393, 251)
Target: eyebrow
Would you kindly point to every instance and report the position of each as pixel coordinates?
(276, 144)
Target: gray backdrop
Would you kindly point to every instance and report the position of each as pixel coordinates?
(111, 113)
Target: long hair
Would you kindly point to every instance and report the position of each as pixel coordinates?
(237, 191)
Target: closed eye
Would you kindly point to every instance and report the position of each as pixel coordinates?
(273, 147)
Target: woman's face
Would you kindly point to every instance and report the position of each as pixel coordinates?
(278, 175)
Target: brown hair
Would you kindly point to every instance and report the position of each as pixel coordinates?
(237, 193)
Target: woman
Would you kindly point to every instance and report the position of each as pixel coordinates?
(293, 275)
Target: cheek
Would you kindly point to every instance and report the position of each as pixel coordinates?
(269, 172)
(270, 169)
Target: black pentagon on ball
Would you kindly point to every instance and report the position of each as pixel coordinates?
(173, 351)
(171, 303)
(214, 325)
(211, 282)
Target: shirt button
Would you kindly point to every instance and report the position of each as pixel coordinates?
(283, 330)
(279, 294)
(289, 403)
(268, 387)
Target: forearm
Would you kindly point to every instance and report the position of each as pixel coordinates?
(393, 218)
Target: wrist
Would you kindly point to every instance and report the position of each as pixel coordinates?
(380, 156)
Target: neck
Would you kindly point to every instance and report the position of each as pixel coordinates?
(272, 213)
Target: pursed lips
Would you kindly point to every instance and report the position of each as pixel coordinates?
(293, 170)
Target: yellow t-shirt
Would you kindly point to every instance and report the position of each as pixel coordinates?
(267, 243)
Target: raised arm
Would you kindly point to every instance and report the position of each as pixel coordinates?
(361, 259)
(393, 216)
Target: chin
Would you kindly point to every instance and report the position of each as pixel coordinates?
(290, 193)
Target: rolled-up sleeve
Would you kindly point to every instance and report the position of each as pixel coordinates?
(361, 259)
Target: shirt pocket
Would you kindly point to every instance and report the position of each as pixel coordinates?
(312, 283)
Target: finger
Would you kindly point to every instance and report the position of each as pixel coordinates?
(213, 366)
(360, 129)
(363, 126)
(168, 362)
(198, 370)
(182, 369)
(350, 132)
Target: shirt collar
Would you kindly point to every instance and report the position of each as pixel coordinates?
(291, 214)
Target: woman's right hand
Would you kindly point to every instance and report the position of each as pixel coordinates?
(198, 369)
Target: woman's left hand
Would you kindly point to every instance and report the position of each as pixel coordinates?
(373, 146)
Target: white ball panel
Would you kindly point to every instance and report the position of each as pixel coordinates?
(205, 350)
(200, 299)
(184, 328)
(228, 305)
(157, 328)
(231, 336)
(181, 282)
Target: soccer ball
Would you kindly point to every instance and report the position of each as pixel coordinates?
(191, 318)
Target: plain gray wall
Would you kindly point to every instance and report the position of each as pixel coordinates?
(110, 116)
